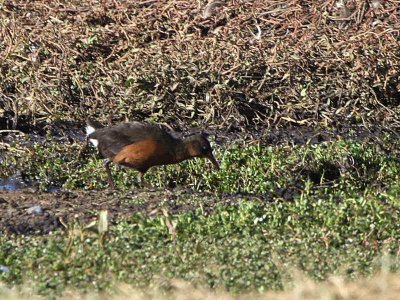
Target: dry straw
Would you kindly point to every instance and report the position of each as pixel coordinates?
(233, 64)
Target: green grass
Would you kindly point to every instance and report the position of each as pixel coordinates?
(244, 168)
(341, 219)
(243, 247)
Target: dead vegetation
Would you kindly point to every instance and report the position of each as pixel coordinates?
(233, 64)
(380, 286)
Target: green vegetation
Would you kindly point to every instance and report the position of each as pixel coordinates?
(331, 166)
(331, 208)
(316, 71)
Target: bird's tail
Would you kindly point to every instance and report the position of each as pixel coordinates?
(92, 126)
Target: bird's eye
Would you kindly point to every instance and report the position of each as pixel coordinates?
(205, 148)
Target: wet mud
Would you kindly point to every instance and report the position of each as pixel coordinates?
(30, 212)
(25, 210)
(69, 131)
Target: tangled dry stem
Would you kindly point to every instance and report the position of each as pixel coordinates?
(233, 64)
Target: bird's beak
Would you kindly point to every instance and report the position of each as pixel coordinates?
(211, 157)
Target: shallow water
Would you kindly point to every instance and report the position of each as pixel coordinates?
(13, 183)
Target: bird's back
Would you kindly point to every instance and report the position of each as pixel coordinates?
(117, 140)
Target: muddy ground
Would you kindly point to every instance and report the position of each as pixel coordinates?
(31, 212)
(25, 210)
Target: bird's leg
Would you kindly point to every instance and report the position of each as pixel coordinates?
(140, 178)
(110, 180)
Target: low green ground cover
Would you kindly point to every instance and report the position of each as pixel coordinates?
(246, 168)
(324, 209)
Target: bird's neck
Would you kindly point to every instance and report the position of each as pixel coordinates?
(182, 151)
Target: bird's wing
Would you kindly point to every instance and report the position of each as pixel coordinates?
(112, 139)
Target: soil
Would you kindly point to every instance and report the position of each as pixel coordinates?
(24, 210)
(30, 212)
(69, 132)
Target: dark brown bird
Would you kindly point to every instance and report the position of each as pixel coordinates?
(143, 145)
